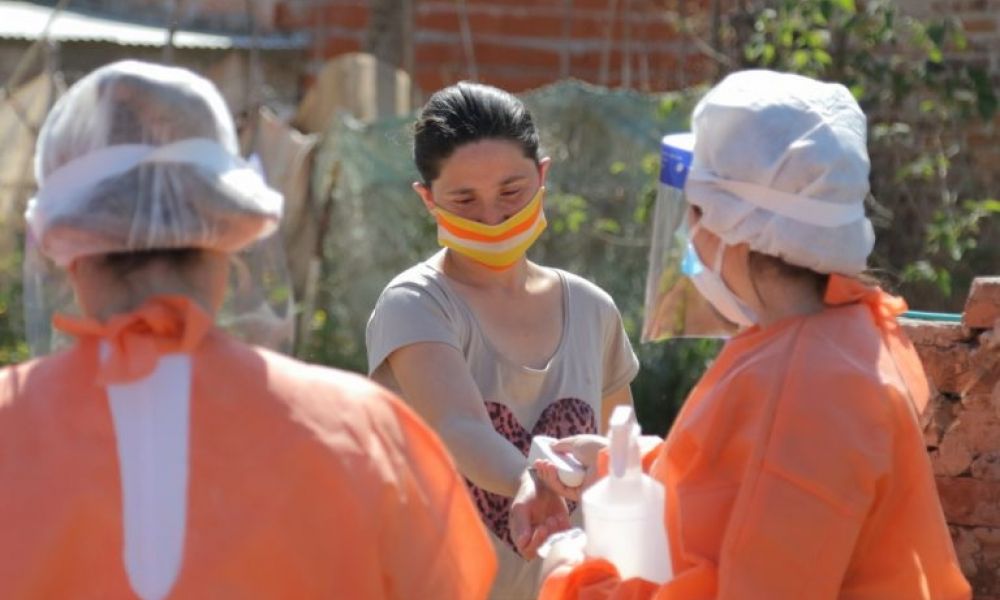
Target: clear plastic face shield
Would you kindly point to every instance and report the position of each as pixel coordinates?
(139, 157)
(673, 305)
(259, 307)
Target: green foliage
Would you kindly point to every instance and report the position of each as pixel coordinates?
(668, 370)
(951, 236)
(13, 344)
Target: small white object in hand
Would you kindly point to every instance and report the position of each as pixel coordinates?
(571, 471)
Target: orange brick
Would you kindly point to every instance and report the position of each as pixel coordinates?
(434, 53)
(535, 4)
(489, 54)
(953, 457)
(334, 45)
(945, 364)
(549, 20)
(937, 418)
(982, 310)
(967, 549)
(932, 333)
(526, 25)
(995, 398)
(585, 26)
(430, 81)
(658, 31)
(970, 502)
(288, 17)
(507, 3)
(979, 428)
(651, 27)
(352, 17)
(437, 21)
(980, 25)
(592, 4)
(987, 467)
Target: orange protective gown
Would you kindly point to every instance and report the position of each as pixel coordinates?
(303, 482)
(796, 469)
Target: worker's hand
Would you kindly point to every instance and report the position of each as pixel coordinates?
(585, 449)
(536, 513)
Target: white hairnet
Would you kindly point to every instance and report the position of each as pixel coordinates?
(780, 163)
(138, 156)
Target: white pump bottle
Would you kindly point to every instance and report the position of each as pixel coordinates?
(623, 513)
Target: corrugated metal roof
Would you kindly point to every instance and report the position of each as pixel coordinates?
(24, 21)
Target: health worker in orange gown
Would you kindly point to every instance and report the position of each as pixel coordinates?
(796, 468)
(158, 457)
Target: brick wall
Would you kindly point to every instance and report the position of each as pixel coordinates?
(962, 429)
(520, 44)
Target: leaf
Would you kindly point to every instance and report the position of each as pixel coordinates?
(607, 225)
(767, 56)
(575, 220)
(800, 58)
(848, 6)
(944, 281)
(920, 270)
(667, 106)
(960, 41)
(826, 9)
(650, 164)
(935, 32)
(818, 38)
(985, 207)
(986, 99)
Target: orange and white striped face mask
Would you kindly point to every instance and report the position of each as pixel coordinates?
(498, 246)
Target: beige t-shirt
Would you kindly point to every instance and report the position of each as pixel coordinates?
(593, 359)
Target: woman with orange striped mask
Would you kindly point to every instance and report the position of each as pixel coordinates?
(489, 347)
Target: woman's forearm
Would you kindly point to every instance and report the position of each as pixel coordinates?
(484, 456)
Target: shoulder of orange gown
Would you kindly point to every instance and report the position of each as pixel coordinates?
(342, 408)
(51, 369)
(833, 379)
(843, 350)
(424, 500)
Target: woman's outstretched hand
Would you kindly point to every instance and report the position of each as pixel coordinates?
(536, 513)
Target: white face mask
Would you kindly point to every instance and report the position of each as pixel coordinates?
(711, 285)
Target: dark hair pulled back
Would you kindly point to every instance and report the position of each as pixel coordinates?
(469, 112)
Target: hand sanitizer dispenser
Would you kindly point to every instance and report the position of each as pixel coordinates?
(623, 513)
